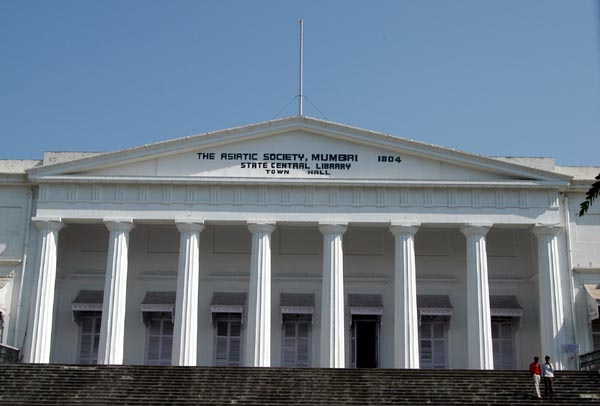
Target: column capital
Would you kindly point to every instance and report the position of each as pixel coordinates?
(333, 228)
(118, 224)
(475, 229)
(53, 223)
(540, 230)
(189, 225)
(256, 227)
(404, 228)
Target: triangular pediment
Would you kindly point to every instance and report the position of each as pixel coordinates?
(293, 149)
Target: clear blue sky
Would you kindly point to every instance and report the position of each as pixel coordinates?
(504, 77)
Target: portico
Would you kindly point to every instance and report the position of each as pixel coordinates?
(290, 277)
(167, 217)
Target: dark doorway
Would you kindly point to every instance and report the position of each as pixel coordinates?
(366, 342)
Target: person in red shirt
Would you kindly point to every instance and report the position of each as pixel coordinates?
(536, 370)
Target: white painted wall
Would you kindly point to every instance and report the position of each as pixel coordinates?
(14, 214)
(584, 233)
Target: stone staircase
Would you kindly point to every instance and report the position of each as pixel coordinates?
(27, 384)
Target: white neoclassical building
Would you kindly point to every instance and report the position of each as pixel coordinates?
(299, 243)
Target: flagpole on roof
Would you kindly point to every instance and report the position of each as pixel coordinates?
(300, 96)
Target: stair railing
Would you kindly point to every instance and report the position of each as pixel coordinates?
(8, 354)
(590, 361)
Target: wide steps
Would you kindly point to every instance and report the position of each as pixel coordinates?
(28, 384)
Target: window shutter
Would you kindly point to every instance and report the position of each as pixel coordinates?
(289, 352)
(159, 339)
(221, 351)
(166, 350)
(86, 349)
(87, 325)
(228, 351)
(95, 346)
(89, 337)
(234, 352)
(439, 356)
(433, 343)
(303, 328)
(236, 328)
(502, 344)
(303, 352)
(153, 349)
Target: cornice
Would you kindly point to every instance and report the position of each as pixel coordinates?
(12, 179)
(252, 181)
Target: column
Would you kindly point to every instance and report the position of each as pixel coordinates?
(479, 329)
(406, 326)
(332, 302)
(185, 334)
(112, 331)
(551, 301)
(258, 332)
(41, 333)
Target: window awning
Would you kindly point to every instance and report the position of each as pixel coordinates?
(365, 304)
(228, 302)
(505, 306)
(159, 302)
(593, 294)
(434, 305)
(88, 301)
(297, 303)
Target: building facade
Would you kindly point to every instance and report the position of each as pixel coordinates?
(297, 243)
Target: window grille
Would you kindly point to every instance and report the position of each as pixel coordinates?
(159, 339)
(89, 337)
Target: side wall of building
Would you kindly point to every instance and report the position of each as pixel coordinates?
(584, 233)
(15, 214)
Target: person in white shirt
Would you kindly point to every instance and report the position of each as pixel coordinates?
(548, 377)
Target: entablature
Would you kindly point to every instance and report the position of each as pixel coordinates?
(349, 195)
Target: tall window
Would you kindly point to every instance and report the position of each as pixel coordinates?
(89, 337)
(159, 339)
(296, 340)
(228, 342)
(433, 342)
(502, 342)
(595, 334)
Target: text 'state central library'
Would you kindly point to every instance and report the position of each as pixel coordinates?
(297, 243)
